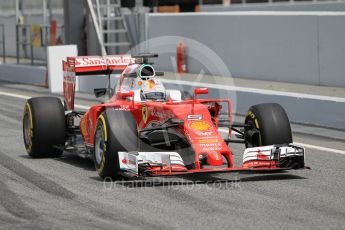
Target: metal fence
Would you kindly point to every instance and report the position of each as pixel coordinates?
(2, 42)
(27, 41)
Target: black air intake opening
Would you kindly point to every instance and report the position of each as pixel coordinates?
(147, 71)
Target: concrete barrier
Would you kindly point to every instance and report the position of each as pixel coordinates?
(297, 47)
(35, 75)
(55, 56)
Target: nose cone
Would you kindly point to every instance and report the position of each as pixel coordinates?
(214, 159)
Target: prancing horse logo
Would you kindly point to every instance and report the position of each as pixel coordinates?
(145, 113)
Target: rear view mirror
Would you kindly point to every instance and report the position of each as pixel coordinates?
(130, 75)
(159, 74)
(200, 91)
(99, 92)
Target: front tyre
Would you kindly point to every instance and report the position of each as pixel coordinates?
(44, 127)
(269, 125)
(116, 131)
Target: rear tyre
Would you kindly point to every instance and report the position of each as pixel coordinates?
(44, 127)
(116, 131)
(269, 125)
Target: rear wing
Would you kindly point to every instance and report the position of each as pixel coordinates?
(89, 65)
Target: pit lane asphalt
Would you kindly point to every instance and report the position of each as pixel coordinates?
(66, 193)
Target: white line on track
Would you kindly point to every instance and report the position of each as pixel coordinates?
(304, 145)
(320, 148)
(14, 95)
(220, 130)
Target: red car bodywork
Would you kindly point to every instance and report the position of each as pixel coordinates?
(199, 127)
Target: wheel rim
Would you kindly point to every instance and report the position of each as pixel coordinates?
(99, 144)
(27, 131)
(256, 140)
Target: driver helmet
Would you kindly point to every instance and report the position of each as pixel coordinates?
(151, 89)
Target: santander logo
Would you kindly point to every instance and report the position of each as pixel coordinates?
(108, 60)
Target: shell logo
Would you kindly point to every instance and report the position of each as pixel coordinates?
(200, 125)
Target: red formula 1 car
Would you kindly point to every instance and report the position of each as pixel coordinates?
(144, 129)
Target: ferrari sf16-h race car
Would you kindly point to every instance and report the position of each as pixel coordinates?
(146, 130)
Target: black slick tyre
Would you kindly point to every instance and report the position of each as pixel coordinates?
(269, 125)
(44, 127)
(116, 131)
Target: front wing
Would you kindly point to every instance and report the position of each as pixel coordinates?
(265, 159)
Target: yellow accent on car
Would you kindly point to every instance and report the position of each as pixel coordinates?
(251, 114)
(105, 127)
(145, 114)
(200, 125)
(30, 134)
(29, 108)
(101, 166)
(256, 123)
